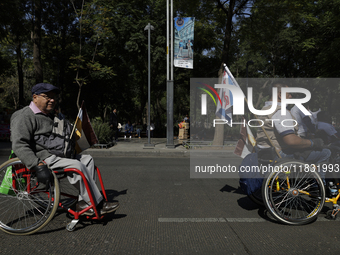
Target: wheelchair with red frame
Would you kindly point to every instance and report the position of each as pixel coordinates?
(27, 206)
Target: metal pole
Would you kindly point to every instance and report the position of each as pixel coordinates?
(170, 83)
(149, 138)
(172, 40)
(167, 40)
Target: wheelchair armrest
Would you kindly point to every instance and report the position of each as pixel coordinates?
(267, 154)
(265, 161)
(59, 170)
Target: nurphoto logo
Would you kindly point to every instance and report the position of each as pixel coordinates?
(238, 98)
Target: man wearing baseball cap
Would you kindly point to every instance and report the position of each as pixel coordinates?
(36, 121)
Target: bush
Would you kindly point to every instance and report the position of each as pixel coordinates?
(102, 130)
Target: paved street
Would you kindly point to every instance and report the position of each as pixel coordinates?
(163, 211)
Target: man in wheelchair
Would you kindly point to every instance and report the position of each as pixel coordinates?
(284, 136)
(36, 120)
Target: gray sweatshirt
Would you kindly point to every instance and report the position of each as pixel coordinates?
(25, 124)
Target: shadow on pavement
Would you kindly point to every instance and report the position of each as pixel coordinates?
(247, 204)
(112, 194)
(59, 222)
(228, 188)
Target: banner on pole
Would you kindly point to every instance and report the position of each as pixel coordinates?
(184, 42)
(86, 136)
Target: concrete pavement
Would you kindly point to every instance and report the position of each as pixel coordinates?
(136, 147)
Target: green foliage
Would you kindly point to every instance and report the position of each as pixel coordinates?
(290, 39)
(106, 50)
(102, 130)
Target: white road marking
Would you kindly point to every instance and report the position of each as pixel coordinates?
(245, 220)
(179, 220)
(191, 220)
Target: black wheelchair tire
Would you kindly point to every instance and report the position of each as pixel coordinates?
(25, 209)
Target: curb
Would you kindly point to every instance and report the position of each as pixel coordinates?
(165, 153)
(158, 151)
(137, 153)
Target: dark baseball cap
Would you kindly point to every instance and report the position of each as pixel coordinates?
(43, 88)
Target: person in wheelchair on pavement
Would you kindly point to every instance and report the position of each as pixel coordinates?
(284, 137)
(37, 120)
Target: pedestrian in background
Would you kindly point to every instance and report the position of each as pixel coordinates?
(128, 129)
(139, 129)
(114, 125)
(152, 128)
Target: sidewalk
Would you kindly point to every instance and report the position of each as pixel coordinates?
(135, 147)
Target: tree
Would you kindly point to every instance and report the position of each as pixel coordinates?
(36, 39)
(14, 31)
(231, 9)
(83, 67)
(294, 39)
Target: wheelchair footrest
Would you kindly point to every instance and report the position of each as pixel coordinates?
(72, 225)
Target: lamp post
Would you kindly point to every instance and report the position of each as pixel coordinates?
(170, 75)
(149, 145)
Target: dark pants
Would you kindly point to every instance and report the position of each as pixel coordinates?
(115, 133)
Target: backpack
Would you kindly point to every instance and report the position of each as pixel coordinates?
(250, 181)
(59, 142)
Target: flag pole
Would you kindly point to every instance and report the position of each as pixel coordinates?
(264, 131)
(75, 123)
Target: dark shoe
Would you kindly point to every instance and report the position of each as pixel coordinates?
(81, 206)
(109, 207)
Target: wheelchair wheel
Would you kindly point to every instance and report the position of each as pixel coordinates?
(293, 195)
(68, 195)
(256, 197)
(25, 205)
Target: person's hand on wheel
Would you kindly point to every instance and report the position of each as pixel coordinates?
(43, 174)
(317, 144)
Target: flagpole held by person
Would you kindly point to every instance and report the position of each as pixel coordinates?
(85, 135)
(224, 112)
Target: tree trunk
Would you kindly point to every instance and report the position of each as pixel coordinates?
(219, 129)
(36, 38)
(143, 99)
(229, 11)
(20, 73)
(228, 30)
